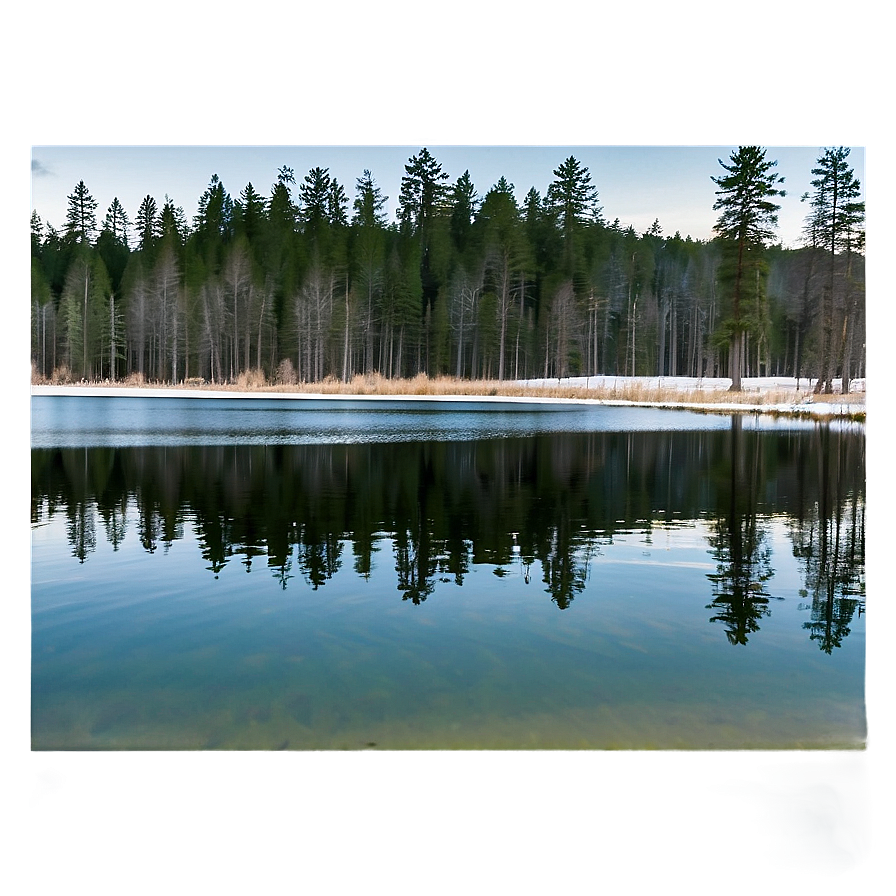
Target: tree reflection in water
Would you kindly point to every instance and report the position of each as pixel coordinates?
(739, 541)
(829, 538)
(551, 500)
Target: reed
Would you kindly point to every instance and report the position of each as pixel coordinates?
(639, 391)
(623, 390)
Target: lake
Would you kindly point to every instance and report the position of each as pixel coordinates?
(263, 575)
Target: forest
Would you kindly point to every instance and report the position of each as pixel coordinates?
(303, 283)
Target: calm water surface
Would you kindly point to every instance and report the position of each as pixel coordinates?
(211, 575)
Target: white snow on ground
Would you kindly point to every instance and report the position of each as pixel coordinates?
(804, 402)
(708, 384)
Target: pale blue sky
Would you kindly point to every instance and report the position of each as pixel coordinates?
(636, 184)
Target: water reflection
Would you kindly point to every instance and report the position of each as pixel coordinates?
(547, 505)
(829, 537)
(739, 538)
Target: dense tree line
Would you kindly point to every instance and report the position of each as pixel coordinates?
(304, 283)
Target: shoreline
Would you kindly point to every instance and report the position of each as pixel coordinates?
(811, 408)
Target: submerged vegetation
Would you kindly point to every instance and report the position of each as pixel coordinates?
(298, 287)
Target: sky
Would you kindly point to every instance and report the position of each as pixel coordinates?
(636, 184)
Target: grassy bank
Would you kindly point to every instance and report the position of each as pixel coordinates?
(640, 391)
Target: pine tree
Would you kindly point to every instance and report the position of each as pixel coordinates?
(422, 191)
(112, 243)
(147, 224)
(836, 225)
(370, 203)
(499, 218)
(337, 204)
(37, 233)
(173, 221)
(249, 213)
(464, 203)
(314, 202)
(423, 218)
(744, 227)
(215, 211)
(80, 219)
(572, 200)
(368, 256)
(280, 260)
(117, 223)
(213, 222)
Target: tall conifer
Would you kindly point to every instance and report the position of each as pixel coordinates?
(744, 228)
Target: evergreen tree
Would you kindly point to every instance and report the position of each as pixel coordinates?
(465, 203)
(280, 262)
(540, 236)
(337, 204)
(282, 212)
(54, 257)
(80, 219)
(117, 223)
(744, 227)
(147, 224)
(572, 200)
(173, 221)
(370, 203)
(249, 213)
(499, 218)
(422, 217)
(84, 312)
(37, 233)
(43, 321)
(215, 210)
(636, 266)
(836, 225)
(368, 255)
(213, 222)
(422, 191)
(112, 243)
(314, 202)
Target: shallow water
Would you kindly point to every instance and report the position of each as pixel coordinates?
(698, 584)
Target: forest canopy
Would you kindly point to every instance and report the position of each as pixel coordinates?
(308, 279)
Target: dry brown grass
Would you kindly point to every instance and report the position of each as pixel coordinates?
(250, 380)
(61, 376)
(375, 384)
(639, 392)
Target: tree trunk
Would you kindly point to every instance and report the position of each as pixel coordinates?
(264, 299)
(345, 348)
(112, 337)
(734, 362)
(661, 360)
(673, 348)
(734, 358)
(84, 325)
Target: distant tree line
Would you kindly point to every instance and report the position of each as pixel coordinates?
(303, 283)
